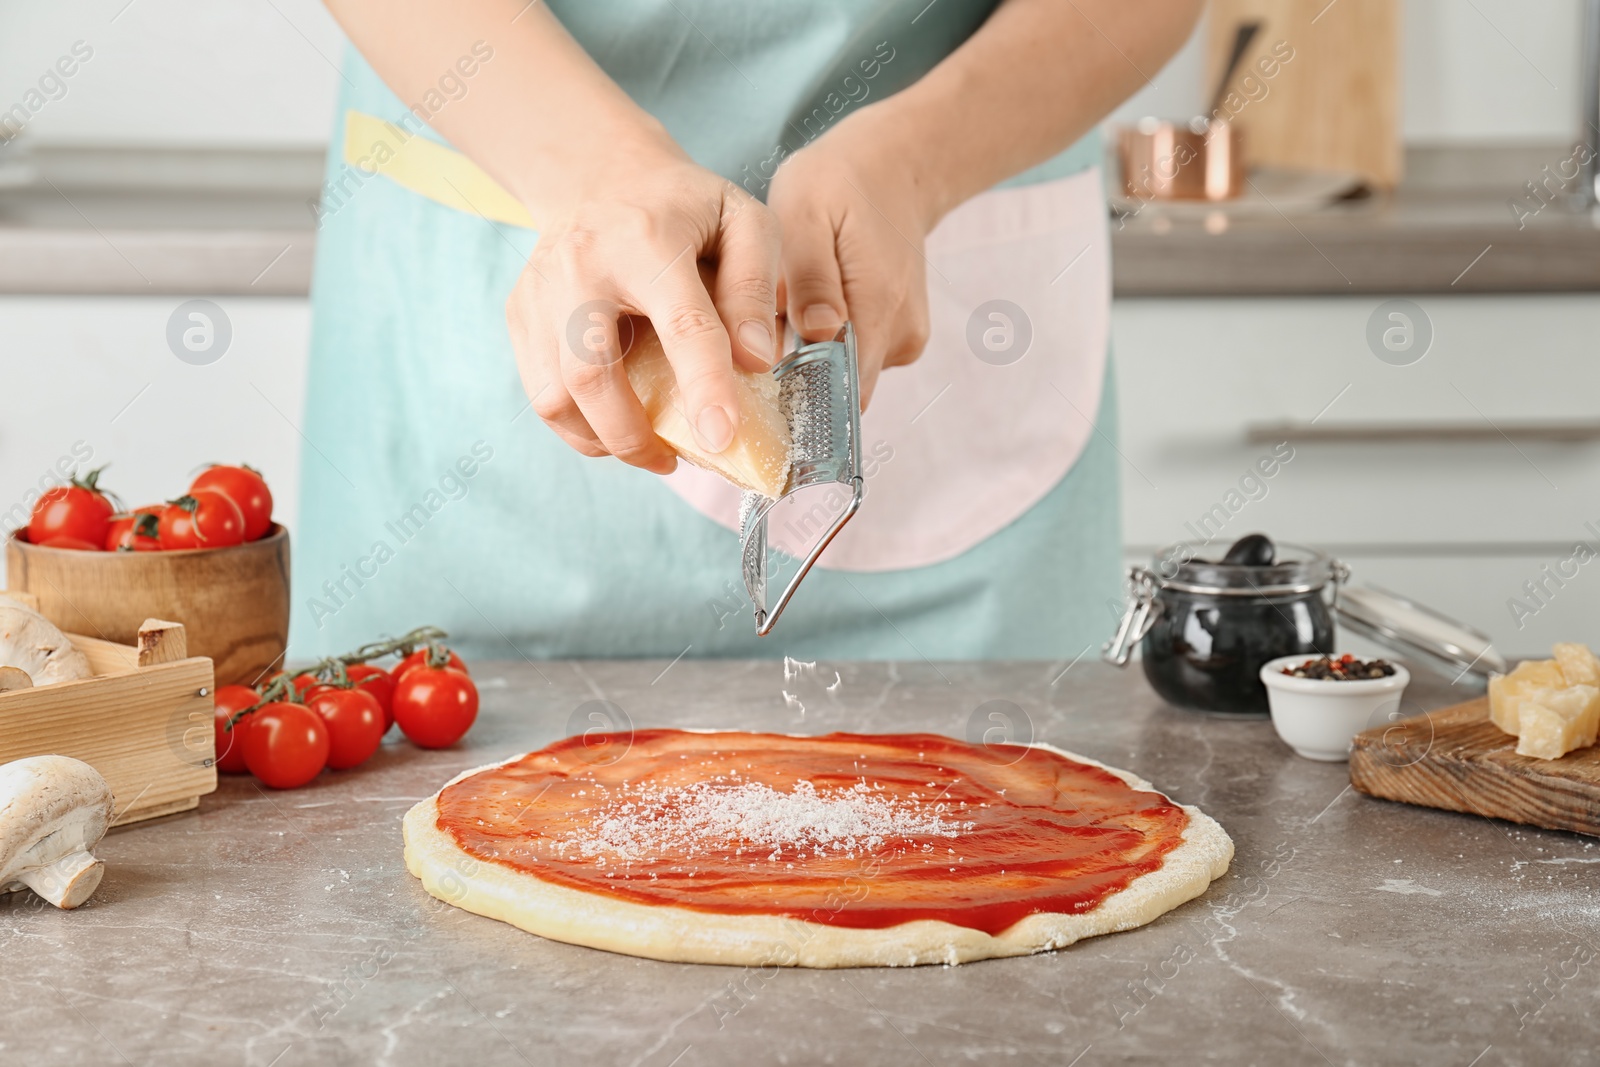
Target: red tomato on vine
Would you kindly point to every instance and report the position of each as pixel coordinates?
(435, 706)
(286, 745)
(355, 725)
(379, 683)
(230, 700)
(419, 657)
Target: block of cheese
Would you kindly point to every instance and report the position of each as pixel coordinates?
(1578, 665)
(757, 459)
(1507, 692)
(1556, 721)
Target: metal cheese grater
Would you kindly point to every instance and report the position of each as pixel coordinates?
(821, 398)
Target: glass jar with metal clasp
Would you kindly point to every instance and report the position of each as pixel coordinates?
(1204, 629)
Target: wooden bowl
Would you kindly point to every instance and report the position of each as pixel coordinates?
(233, 602)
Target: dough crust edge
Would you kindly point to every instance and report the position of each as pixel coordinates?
(681, 935)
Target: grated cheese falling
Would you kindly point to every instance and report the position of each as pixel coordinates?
(731, 816)
(794, 668)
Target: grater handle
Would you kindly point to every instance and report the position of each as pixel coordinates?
(753, 510)
(835, 460)
(764, 620)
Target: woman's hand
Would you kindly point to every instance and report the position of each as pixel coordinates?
(631, 244)
(854, 219)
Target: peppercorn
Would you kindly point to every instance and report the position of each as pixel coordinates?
(1344, 669)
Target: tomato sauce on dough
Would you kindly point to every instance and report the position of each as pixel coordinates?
(852, 830)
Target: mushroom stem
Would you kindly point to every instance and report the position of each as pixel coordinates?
(67, 882)
(53, 811)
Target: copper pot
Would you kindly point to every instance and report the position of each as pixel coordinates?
(1202, 159)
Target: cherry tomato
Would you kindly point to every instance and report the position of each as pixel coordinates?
(286, 745)
(419, 657)
(203, 519)
(77, 510)
(230, 700)
(135, 532)
(379, 683)
(246, 488)
(435, 706)
(77, 544)
(309, 685)
(355, 725)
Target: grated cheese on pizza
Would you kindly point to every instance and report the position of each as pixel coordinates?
(730, 816)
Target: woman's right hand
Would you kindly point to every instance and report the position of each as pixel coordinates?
(630, 244)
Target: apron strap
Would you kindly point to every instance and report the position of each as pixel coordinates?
(427, 167)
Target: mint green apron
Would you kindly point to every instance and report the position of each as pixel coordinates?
(432, 494)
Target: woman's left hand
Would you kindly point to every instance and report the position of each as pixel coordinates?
(854, 217)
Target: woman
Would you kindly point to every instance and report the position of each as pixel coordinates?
(908, 166)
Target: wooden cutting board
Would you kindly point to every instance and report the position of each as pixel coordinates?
(1336, 104)
(1456, 759)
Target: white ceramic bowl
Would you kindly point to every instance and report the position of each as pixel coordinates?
(1317, 717)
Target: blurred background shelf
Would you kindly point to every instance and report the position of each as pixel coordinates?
(98, 220)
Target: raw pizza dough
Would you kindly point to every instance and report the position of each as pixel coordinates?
(683, 935)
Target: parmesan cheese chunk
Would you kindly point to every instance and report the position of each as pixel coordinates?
(1556, 721)
(757, 459)
(1578, 665)
(1508, 692)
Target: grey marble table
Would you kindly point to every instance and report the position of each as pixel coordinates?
(282, 928)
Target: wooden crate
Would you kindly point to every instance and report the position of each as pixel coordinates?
(144, 720)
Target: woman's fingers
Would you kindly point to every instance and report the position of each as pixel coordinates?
(594, 377)
(539, 366)
(677, 304)
(813, 286)
(747, 279)
(891, 321)
(572, 375)
(843, 258)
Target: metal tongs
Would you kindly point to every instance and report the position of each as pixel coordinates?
(821, 398)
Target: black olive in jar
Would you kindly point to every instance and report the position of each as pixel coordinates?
(1213, 625)
(1252, 550)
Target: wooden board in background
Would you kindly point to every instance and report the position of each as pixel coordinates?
(1456, 759)
(1336, 104)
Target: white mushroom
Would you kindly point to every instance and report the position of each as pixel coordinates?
(32, 642)
(53, 811)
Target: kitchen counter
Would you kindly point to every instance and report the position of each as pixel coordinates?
(1409, 241)
(192, 221)
(1465, 219)
(282, 928)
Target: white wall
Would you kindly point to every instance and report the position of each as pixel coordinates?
(176, 72)
(1471, 72)
(248, 71)
(1491, 70)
